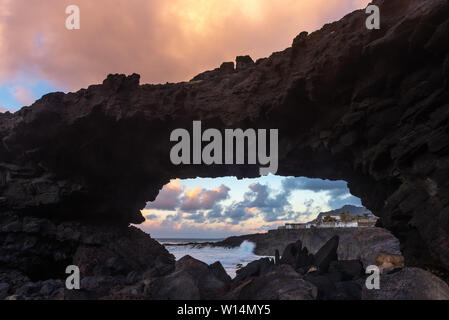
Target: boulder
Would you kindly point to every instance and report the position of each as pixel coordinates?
(219, 272)
(243, 62)
(349, 269)
(326, 255)
(282, 283)
(179, 285)
(192, 280)
(297, 256)
(347, 290)
(364, 244)
(325, 286)
(408, 284)
(254, 269)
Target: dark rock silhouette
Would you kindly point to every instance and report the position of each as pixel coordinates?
(254, 269)
(219, 272)
(349, 269)
(409, 284)
(365, 244)
(282, 283)
(368, 107)
(191, 280)
(297, 256)
(327, 254)
(243, 63)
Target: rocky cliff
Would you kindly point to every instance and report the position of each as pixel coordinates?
(366, 106)
(364, 244)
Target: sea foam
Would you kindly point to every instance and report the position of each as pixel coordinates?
(231, 259)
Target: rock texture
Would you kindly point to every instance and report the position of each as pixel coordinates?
(409, 284)
(366, 106)
(364, 244)
(34, 254)
(192, 280)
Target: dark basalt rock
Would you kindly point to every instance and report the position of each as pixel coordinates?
(365, 244)
(325, 285)
(254, 269)
(282, 283)
(367, 107)
(297, 256)
(347, 290)
(328, 253)
(34, 253)
(191, 280)
(349, 269)
(219, 272)
(243, 63)
(332, 279)
(408, 284)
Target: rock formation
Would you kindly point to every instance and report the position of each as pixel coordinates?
(364, 244)
(366, 106)
(324, 277)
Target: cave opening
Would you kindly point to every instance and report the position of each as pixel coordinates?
(189, 216)
(208, 208)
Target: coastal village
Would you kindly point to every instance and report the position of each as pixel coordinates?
(337, 219)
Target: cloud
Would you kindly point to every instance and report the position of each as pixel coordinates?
(168, 197)
(261, 207)
(273, 207)
(337, 191)
(236, 213)
(316, 185)
(196, 217)
(200, 199)
(23, 95)
(162, 40)
(151, 217)
(174, 196)
(172, 219)
(259, 200)
(3, 109)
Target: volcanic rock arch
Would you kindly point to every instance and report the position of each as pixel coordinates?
(366, 106)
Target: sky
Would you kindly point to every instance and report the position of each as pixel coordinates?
(218, 208)
(164, 41)
(170, 41)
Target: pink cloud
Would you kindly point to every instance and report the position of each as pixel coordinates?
(162, 40)
(23, 95)
(200, 199)
(168, 197)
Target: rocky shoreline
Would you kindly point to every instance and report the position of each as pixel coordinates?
(364, 244)
(367, 107)
(126, 263)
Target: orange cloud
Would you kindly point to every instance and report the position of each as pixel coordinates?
(162, 40)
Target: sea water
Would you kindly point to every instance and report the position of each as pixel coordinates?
(231, 259)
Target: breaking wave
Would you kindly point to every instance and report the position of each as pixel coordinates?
(231, 259)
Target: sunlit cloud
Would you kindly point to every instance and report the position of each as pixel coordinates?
(23, 95)
(162, 40)
(263, 206)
